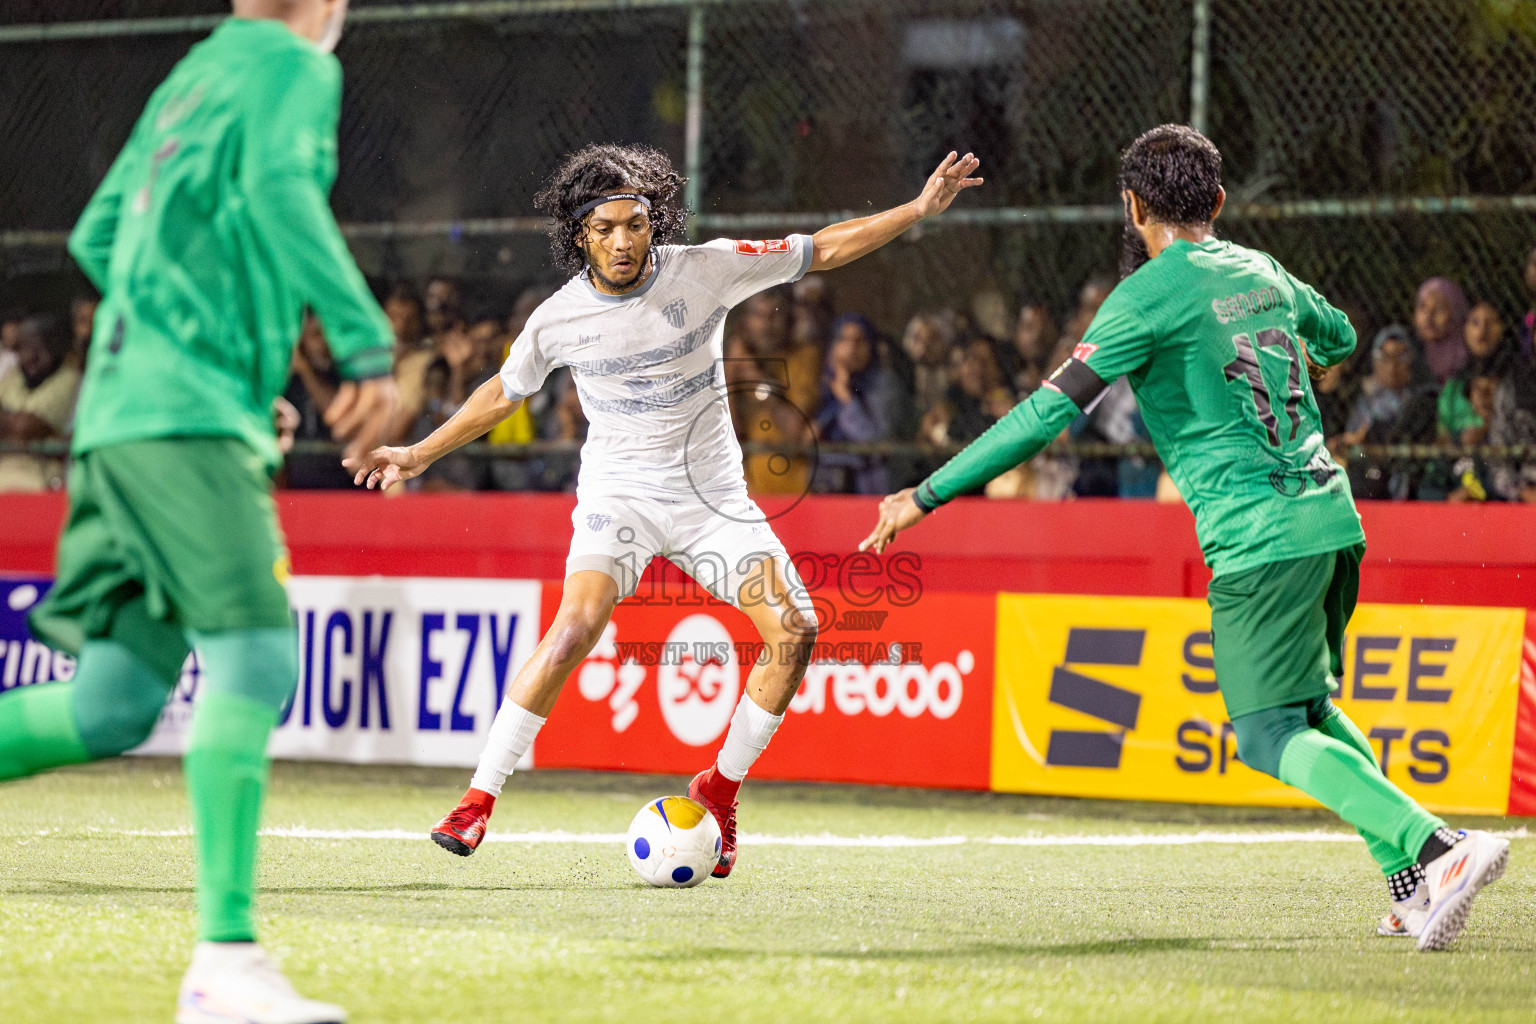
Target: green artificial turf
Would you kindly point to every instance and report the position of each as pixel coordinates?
(96, 922)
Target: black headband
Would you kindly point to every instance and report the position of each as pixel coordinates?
(586, 208)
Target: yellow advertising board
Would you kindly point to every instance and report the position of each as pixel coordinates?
(1116, 697)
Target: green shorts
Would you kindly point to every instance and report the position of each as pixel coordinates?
(1277, 631)
(187, 522)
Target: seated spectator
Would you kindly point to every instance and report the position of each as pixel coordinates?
(989, 314)
(1491, 355)
(441, 307)
(1089, 298)
(1439, 316)
(859, 403)
(976, 400)
(775, 386)
(1513, 422)
(535, 417)
(37, 402)
(1396, 406)
(413, 354)
(1114, 419)
(927, 342)
(1034, 339)
(1334, 400)
(475, 352)
(811, 319)
(1474, 477)
(470, 352)
(310, 391)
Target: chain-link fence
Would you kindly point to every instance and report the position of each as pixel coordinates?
(1369, 143)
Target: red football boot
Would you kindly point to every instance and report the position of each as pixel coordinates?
(461, 831)
(725, 814)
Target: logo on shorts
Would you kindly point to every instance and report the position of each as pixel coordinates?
(676, 313)
(587, 339)
(597, 522)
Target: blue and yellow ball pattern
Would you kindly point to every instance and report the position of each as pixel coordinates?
(674, 842)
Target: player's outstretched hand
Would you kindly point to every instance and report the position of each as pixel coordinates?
(360, 413)
(951, 178)
(897, 512)
(385, 466)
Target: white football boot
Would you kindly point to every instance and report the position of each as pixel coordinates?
(236, 983)
(1454, 878)
(1407, 917)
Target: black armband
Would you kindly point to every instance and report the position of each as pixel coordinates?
(924, 498)
(1076, 379)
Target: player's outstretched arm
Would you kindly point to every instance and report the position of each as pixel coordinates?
(380, 468)
(843, 243)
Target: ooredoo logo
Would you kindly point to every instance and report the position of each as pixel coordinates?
(908, 688)
(698, 697)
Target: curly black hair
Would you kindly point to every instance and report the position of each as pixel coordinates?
(1177, 173)
(598, 170)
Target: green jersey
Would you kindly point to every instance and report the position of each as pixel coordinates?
(1207, 335)
(210, 234)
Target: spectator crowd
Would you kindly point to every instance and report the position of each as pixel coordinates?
(827, 401)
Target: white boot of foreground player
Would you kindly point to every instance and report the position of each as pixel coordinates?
(236, 983)
(1406, 921)
(1454, 878)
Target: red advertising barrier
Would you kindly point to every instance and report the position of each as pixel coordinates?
(898, 694)
(1417, 552)
(1522, 772)
(853, 710)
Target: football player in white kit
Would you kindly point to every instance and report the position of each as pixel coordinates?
(641, 326)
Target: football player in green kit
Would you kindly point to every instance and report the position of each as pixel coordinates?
(210, 235)
(1214, 339)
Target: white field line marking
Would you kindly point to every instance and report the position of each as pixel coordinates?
(825, 839)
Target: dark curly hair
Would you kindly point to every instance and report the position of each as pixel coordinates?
(1177, 173)
(598, 170)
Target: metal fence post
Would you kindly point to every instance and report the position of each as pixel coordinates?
(693, 165)
(1200, 67)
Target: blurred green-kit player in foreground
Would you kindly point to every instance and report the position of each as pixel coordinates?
(209, 237)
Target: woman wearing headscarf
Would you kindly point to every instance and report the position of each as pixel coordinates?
(1396, 406)
(1439, 318)
(860, 402)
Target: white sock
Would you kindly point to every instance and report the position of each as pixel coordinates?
(751, 729)
(512, 734)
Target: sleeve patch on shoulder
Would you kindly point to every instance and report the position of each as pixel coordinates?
(751, 248)
(1077, 380)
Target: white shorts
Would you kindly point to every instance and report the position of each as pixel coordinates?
(721, 546)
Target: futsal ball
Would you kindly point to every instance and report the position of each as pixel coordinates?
(674, 842)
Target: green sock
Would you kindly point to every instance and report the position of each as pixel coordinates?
(226, 769)
(1351, 785)
(1389, 857)
(38, 730)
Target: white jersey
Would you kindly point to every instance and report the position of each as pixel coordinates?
(648, 366)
